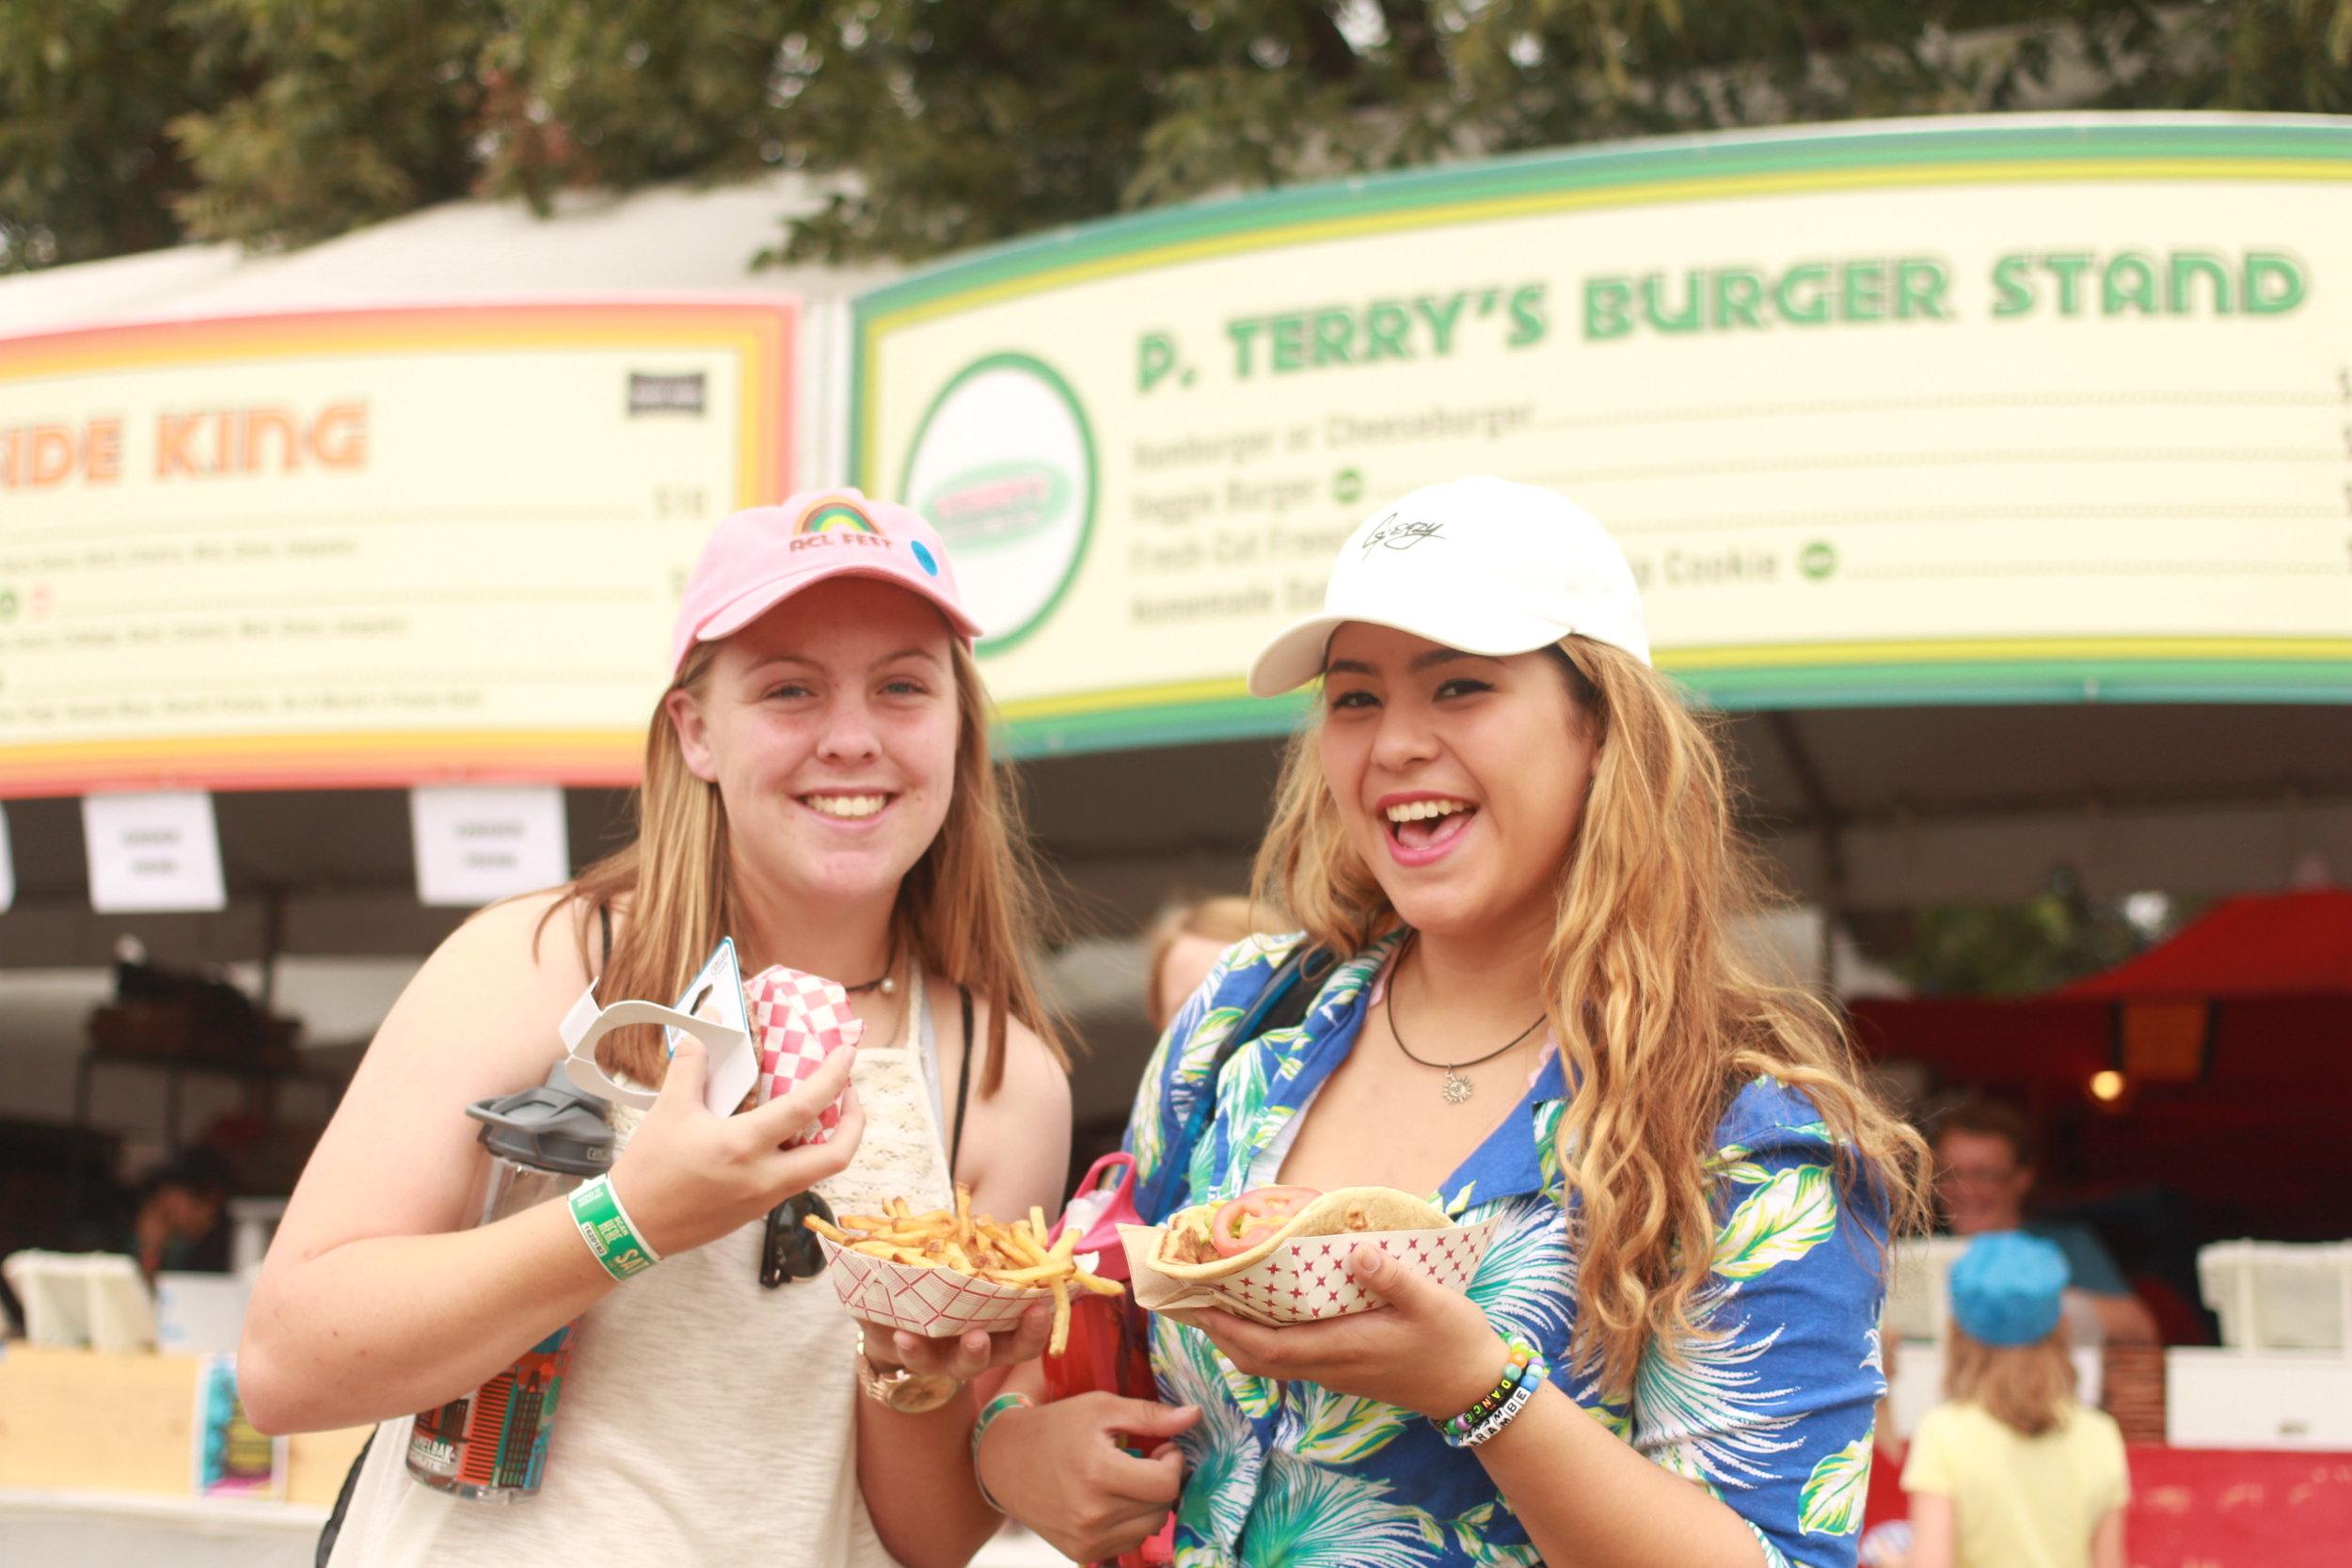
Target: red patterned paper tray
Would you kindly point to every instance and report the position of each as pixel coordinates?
(1305, 1280)
(935, 1303)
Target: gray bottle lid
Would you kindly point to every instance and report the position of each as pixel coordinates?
(553, 1126)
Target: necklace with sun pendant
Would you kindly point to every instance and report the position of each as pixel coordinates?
(1457, 1089)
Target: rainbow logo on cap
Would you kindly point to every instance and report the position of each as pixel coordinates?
(835, 517)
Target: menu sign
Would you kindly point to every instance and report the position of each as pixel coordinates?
(366, 548)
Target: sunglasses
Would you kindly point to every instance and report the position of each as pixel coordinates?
(790, 1250)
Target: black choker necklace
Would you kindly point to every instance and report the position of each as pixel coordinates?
(886, 982)
(1456, 1088)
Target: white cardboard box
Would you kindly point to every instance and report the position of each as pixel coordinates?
(2234, 1399)
(2280, 1295)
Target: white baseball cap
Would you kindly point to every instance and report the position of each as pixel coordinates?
(1482, 564)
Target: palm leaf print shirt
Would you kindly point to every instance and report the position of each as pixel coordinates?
(1770, 1412)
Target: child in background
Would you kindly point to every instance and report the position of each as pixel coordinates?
(2010, 1471)
(1184, 943)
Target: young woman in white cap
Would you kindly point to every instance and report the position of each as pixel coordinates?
(1516, 845)
(817, 786)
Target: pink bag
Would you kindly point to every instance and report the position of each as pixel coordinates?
(1110, 1337)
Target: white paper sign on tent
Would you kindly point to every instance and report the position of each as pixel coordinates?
(153, 852)
(7, 865)
(476, 843)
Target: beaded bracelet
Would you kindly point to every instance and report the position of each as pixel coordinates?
(1521, 1354)
(1494, 1421)
(605, 1225)
(1490, 1404)
(1492, 1400)
(1534, 1379)
(988, 1413)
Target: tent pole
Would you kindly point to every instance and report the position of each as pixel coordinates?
(273, 941)
(1827, 820)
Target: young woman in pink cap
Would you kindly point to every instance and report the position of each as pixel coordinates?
(1512, 846)
(817, 786)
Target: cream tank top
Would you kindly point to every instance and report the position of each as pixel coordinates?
(704, 1419)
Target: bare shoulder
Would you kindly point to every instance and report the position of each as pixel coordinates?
(1031, 1070)
(542, 930)
(483, 1017)
(507, 975)
(1017, 1145)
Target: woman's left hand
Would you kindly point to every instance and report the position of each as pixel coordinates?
(1427, 1349)
(964, 1357)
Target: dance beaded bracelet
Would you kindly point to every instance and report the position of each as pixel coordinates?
(1513, 1373)
(1530, 1381)
(607, 1228)
(1493, 1399)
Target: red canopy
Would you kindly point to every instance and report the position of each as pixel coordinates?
(2258, 944)
(2276, 956)
(2234, 1037)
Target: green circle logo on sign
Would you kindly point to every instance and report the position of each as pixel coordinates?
(1003, 464)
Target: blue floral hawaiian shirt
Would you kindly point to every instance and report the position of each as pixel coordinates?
(1770, 1412)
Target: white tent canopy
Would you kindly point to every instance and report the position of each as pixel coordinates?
(667, 241)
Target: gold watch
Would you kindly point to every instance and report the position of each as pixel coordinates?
(908, 1392)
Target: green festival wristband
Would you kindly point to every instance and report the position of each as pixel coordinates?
(605, 1225)
(988, 1413)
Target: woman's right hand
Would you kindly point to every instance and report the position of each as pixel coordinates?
(1059, 1471)
(689, 1177)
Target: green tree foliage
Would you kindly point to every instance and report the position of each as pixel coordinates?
(126, 124)
(87, 172)
(2060, 935)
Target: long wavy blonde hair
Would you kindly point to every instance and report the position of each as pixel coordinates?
(974, 908)
(1659, 1017)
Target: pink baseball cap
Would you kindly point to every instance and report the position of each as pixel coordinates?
(761, 557)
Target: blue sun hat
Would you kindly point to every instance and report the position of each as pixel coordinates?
(2005, 1287)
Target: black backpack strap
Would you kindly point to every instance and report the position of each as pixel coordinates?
(334, 1526)
(1282, 1005)
(964, 1083)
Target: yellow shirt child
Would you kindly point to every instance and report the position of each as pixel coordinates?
(2012, 1472)
(2019, 1501)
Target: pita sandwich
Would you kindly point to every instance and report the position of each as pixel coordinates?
(1186, 1253)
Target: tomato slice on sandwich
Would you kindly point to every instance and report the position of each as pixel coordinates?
(1251, 1218)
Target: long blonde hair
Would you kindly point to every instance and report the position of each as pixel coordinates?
(2026, 1388)
(972, 909)
(1659, 1017)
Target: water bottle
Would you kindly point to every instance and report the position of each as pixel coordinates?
(491, 1446)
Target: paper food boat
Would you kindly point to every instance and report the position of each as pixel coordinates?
(1306, 1278)
(935, 1303)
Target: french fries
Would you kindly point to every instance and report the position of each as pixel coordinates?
(974, 1245)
